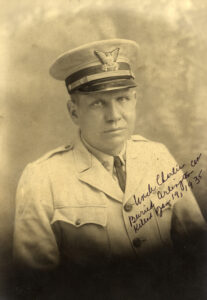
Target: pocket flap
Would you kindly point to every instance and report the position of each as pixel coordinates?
(81, 215)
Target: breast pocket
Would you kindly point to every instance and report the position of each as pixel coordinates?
(81, 215)
(81, 232)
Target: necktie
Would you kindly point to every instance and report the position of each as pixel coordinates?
(119, 172)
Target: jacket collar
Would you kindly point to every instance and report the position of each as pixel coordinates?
(91, 171)
(83, 158)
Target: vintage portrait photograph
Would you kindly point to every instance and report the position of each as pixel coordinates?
(103, 149)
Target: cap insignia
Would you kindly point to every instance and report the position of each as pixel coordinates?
(108, 59)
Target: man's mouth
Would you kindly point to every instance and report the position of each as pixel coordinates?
(114, 130)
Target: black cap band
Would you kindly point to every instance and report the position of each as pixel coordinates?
(89, 76)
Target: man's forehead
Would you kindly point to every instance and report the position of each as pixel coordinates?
(108, 94)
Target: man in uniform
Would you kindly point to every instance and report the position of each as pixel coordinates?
(108, 195)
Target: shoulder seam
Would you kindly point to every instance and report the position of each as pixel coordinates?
(139, 138)
(51, 153)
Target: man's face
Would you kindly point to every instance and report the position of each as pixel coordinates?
(106, 119)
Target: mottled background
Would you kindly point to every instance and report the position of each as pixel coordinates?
(172, 80)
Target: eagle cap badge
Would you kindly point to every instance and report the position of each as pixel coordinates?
(108, 59)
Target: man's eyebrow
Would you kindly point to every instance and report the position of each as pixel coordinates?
(123, 95)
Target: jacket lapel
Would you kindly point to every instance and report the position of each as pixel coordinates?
(137, 164)
(91, 171)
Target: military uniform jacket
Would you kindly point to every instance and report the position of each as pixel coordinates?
(68, 207)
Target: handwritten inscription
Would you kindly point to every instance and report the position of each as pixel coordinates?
(179, 184)
(143, 220)
(164, 192)
(162, 178)
(195, 161)
(139, 200)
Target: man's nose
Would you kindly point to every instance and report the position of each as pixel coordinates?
(112, 113)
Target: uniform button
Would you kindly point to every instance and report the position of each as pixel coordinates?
(128, 207)
(78, 222)
(137, 242)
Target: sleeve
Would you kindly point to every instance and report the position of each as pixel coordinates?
(34, 244)
(187, 223)
(187, 217)
(189, 229)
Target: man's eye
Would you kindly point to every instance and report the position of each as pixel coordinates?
(123, 99)
(98, 103)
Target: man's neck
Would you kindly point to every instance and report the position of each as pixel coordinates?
(116, 152)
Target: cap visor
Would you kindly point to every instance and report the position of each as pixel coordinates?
(107, 85)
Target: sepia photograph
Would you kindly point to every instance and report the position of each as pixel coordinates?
(103, 120)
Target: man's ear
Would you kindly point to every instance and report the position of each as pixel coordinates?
(134, 93)
(72, 109)
(139, 94)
